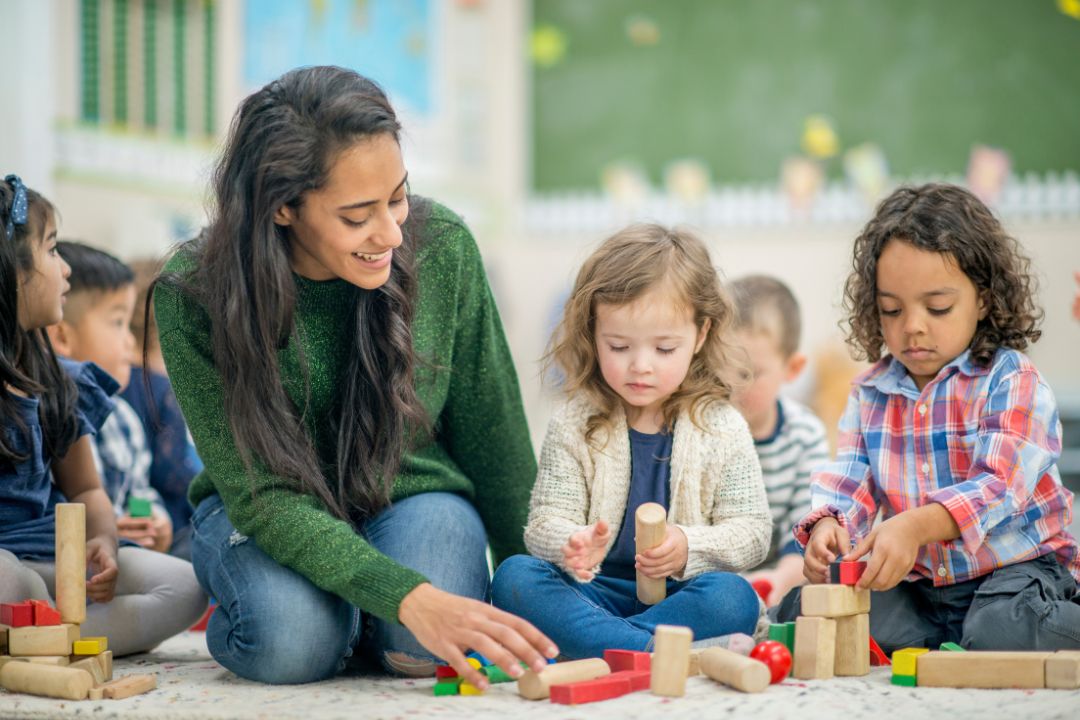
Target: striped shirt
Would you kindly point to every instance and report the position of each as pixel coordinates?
(983, 442)
(123, 460)
(796, 448)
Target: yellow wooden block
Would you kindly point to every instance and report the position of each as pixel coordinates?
(45, 640)
(468, 689)
(904, 661)
(834, 601)
(474, 662)
(982, 669)
(90, 646)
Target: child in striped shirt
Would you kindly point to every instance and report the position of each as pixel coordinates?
(789, 438)
(953, 436)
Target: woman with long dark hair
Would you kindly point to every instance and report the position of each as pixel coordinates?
(337, 353)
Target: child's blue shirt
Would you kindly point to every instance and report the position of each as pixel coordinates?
(27, 492)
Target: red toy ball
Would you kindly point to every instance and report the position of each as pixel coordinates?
(776, 655)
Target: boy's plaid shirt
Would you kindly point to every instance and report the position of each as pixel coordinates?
(983, 442)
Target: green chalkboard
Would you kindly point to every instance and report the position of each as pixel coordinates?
(731, 82)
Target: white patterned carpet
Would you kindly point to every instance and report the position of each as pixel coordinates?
(191, 686)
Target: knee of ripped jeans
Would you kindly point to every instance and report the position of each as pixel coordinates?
(406, 665)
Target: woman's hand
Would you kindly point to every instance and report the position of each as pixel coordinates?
(101, 559)
(586, 549)
(828, 541)
(449, 625)
(666, 559)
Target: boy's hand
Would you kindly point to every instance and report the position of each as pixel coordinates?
(895, 545)
(666, 559)
(586, 549)
(101, 559)
(828, 541)
(139, 530)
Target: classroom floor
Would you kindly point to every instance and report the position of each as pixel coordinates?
(191, 686)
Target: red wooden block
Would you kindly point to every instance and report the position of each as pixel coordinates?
(444, 671)
(604, 688)
(639, 679)
(205, 619)
(619, 660)
(846, 572)
(17, 614)
(44, 613)
(877, 655)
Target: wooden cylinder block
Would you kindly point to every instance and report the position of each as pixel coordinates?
(49, 680)
(650, 526)
(537, 686)
(735, 670)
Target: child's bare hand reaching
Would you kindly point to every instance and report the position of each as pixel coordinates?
(828, 541)
(666, 559)
(586, 549)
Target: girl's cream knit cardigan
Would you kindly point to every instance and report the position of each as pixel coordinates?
(717, 494)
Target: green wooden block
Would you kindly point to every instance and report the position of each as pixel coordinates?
(784, 633)
(448, 686)
(904, 680)
(496, 675)
(139, 507)
(952, 647)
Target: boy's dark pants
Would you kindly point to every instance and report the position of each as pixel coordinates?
(1031, 605)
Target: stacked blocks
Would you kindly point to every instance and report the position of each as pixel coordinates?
(448, 682)
(832, 636)
(41, 649)
(904, 666)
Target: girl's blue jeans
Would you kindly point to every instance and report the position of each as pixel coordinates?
(275, 626)
(584, 619)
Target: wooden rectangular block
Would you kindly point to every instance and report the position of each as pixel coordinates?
(47, 680)
(129, 685)
(7, 658)
(982, 669)
(695, 663)
(50, 640)
(852, 646)
(48, 659)
(671, 660)
(619, 660)
(3, 639)
(784, 633)
(90, 646)
(604, 688)
(904, 661)
(815, 648)
(834, 601)
(1063, 670)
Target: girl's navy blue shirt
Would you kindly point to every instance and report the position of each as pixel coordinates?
(28, 494)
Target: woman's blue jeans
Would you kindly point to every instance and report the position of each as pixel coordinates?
(275, 626)
(584, 619)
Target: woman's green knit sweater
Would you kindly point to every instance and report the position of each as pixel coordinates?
(480, 448)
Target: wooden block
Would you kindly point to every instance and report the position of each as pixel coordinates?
(785, 633)
(619, 660)
(1063, 670)
(903, 680)
(3, 639)
(445, 671)
(48, 659)
(97, 693)
(695, 663)
(815, 647)
(140, 507)
(981, 669)
(671, 660)
(735, 670)
(16, 614)
(604, 688)
(44, 613)
(495, 674)
(49, 640)
(846, 572)
(951, 647)
(99, 666)
(90, 646)
(852, 656)
(47, 680)
(71, 562)
(650, 526)
(537, 686)
(448, 686)
(834, 601)
(466, 688)
(7, 658)
(128, 686)
(904, 661)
